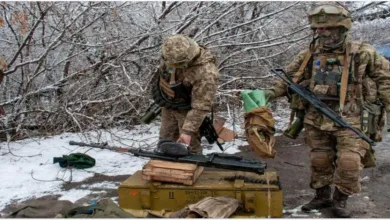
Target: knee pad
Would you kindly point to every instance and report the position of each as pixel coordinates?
(320, 159)
(349, 161)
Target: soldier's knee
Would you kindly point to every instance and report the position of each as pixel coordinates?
(348, 161)
(320, 159)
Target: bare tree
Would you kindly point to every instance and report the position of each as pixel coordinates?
(76, 66)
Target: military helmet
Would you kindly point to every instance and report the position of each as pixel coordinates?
(330, 15)
(179, 50)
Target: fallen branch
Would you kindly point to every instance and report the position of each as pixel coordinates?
(292, 164)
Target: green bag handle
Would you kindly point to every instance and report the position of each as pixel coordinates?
(253, 99)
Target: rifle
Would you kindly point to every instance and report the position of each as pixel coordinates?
(217, 160)
(319, 105)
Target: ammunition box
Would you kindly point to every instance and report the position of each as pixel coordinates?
(261, 194)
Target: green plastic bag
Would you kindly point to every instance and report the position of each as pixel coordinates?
(76, 160)
(253, 99)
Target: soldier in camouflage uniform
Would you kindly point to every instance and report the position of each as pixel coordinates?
(192, 67)
(336, 153)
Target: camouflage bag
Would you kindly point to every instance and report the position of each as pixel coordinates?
(105, 208)
(259, 130)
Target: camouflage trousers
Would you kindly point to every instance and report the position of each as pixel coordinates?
(336, 157)
(171, 123)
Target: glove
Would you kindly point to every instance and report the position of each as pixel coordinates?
(269, 95)
(388, 121)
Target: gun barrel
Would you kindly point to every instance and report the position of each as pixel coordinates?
(78, 143)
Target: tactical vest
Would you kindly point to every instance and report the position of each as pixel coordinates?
(169, 91)
(326, 76)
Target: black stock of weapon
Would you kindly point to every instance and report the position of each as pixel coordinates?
(207, 130)
(216, 160)
(318, 104)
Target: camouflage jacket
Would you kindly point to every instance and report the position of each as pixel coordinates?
(200, 79)
(371, 73)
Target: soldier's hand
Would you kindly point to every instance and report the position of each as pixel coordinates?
(388, 121)
(269, 95)
(184, 138)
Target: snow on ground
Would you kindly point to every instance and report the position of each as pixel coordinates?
(27, 170)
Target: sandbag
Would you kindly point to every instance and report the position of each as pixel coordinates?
(260, 130)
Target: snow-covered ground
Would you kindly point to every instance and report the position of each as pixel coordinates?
(27, 170)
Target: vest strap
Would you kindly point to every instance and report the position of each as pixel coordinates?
(344, 77)
(302, 67)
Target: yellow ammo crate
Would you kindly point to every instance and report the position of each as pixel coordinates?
(261, 194)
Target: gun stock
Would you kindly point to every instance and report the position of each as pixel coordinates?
(208, 131)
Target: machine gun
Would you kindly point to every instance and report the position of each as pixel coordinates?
(318, 104)
(217, 160)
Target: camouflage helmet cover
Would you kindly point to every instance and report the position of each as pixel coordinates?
(330, 15)
(179, 49)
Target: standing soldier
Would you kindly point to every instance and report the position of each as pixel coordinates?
(353, 80)
(187, 83)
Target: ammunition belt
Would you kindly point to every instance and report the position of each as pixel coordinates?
(253, 180)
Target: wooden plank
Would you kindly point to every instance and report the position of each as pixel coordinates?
(197, 173)
(168, 175)
(174, 172)
(168, 171)
(168, 179)
(187, 180)
(172, 165)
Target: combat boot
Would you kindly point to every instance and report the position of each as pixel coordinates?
(321, 200)
(340, 205)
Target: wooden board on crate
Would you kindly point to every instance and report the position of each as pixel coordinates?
(173, 172)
